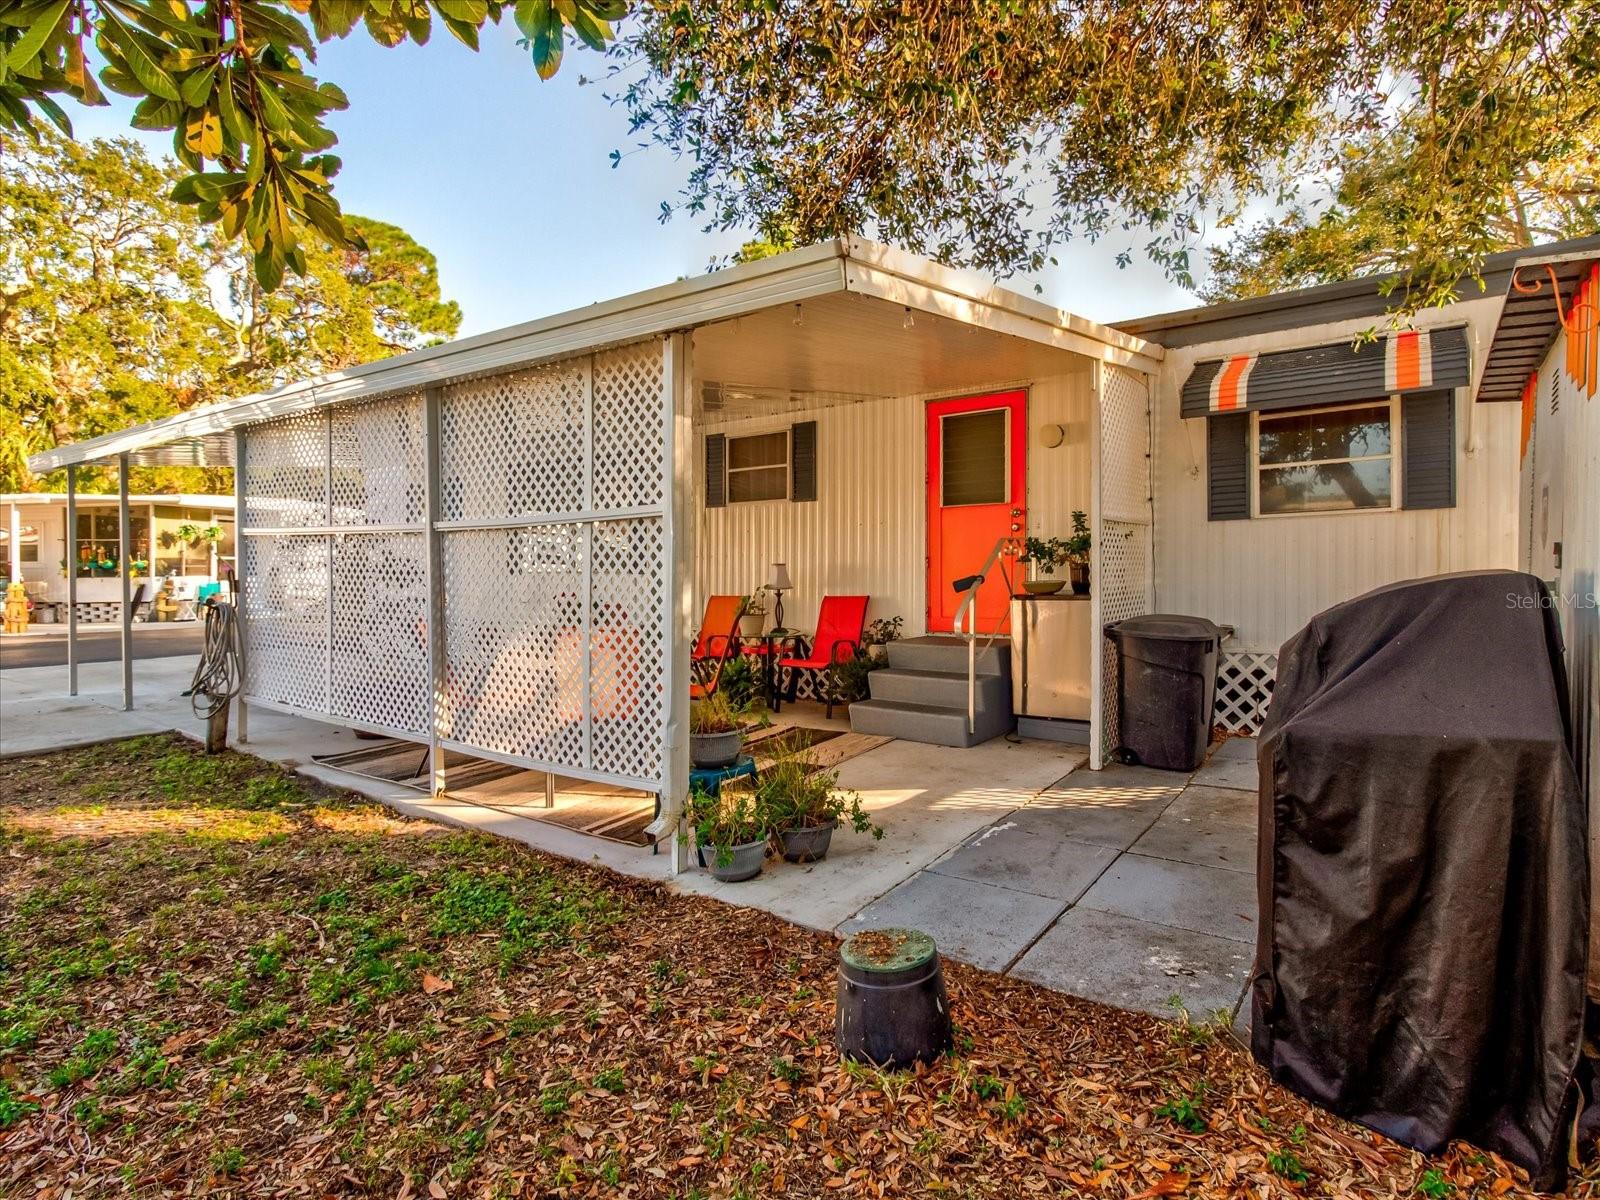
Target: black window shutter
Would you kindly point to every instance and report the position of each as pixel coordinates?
(1428, 449)
(716, 470)
(803, 461)
(1228, 467)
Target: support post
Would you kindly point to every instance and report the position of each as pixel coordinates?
(1097, 649)
(679, 540)
(14, 545)
(72, 580)
(432, 400)
(125, 572)
(241, 710)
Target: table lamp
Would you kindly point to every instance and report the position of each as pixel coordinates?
(778, 585)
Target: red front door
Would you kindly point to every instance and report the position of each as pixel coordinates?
(977, 494)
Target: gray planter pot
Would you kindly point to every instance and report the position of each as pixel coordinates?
(715, 749)
(746, 862)
(807, 845)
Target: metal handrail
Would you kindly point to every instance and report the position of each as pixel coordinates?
(967, 611)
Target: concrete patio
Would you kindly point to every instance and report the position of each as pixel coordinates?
(1130, 886)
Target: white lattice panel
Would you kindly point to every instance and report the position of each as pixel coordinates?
(511, 446)
(379, 643)
(1244, 689)
(513, 632)
(629, 655)
(285, 611)
(1121, 579)
(629, 457)
(1124, 593)
(1124, 447)
(378, 463)
(286, 473)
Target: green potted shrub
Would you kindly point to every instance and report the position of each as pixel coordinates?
(804, 806)
(730, 832)
(716, 731)
(1077, 547)
(740, 682)
(1044, 557)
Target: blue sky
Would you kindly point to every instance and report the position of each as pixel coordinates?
(508, 180)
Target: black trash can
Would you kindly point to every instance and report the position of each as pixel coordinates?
(1166, 688)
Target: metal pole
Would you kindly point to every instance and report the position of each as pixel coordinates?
(678, 547)
(124, 569)
(72, 580)
(1097, 637)
(15, 544)
(241, 710)
(432, 400)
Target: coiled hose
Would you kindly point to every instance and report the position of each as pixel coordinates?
(219, 675)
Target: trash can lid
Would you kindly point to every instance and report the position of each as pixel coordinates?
(1167, 627)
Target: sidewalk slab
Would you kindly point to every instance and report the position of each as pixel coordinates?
(978, 923)
(1205, 900)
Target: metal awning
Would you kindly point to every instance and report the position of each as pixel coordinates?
(846, 265)
(1541, 290)
(1410, 360)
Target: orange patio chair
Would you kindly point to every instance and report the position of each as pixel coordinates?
(718, 640)
(840, 623)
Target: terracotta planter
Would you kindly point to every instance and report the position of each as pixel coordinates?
(712, 750)
(807, 845)
(744, 862)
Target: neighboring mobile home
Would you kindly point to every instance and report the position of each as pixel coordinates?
(502, 545)
(188, 539)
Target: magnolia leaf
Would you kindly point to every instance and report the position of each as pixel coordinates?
(272, 26)
(269, 268)
(594, 33)
(126, 47)
(155, 113)
(35, 36)
(203, 133)
(120, 81)
(465, 32)
(195, 88)
(333, 18)
(232, 120)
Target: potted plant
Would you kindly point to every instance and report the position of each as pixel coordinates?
(716, 731)
(730, 832)
(878, 634)
(1044, 556)
(804, 807)
(752, 616)
(1077, 547)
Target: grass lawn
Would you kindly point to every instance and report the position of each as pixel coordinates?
(220, 978)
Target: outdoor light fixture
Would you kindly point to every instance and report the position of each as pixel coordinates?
(799, 315)
(910, 321)
(778, 585)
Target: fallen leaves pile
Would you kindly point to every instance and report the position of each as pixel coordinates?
(220, 979)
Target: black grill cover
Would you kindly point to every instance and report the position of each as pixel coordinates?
(1423, 873)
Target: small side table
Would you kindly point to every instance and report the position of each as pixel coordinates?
(769, 647)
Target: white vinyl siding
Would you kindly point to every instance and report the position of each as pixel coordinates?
(1267, 577)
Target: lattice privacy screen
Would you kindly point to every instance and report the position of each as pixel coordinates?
(1121, 579)
(553, 482)
(336, 616)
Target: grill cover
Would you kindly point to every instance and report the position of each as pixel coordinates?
(1422, 869)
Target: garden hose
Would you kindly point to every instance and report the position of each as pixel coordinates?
(219, 675)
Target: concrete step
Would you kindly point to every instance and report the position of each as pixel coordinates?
(949, 654)
(945, 689)
(931, 723)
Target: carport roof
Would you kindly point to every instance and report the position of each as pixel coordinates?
(202, 436)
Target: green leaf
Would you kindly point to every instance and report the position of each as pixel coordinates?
(117, 78)
(195, 88)
(155, 113)
(53, 110)
(35, 36)
(334, 18)
(465, 32)
(273, 26)
(118, 42)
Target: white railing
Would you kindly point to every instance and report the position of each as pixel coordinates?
(967, 613)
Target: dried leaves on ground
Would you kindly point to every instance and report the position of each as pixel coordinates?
(221, 979)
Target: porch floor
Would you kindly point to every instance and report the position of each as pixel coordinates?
(1129, 886)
